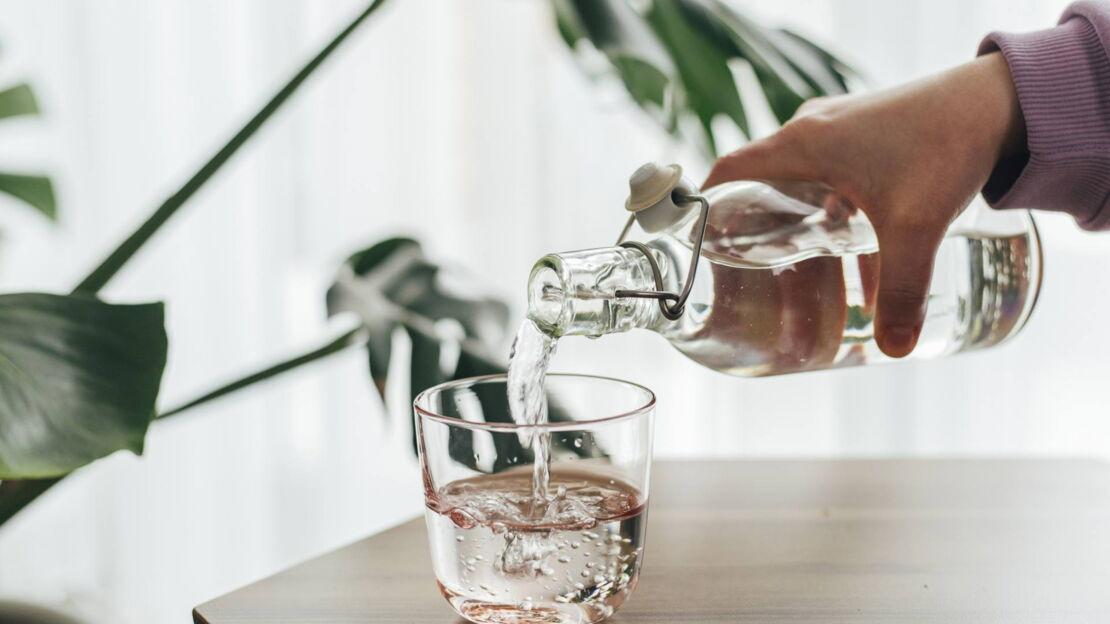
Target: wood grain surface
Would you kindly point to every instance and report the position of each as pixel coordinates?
(922, 541)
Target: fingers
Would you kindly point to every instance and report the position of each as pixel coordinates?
(784, 156)
(905, 271)
(824, 146)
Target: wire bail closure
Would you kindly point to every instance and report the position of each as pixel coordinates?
(672, 305)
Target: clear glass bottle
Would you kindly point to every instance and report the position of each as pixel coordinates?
(786, 280)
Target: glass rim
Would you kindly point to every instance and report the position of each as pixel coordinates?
(572, 425)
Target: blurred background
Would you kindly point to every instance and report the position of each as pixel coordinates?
(469, 126)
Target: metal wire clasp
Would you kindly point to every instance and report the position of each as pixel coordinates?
(677, 301)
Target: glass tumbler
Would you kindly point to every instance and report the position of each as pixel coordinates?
(517, 541)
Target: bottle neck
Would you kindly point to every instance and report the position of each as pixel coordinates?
(574, 293)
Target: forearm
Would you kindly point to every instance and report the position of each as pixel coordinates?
(982, 101)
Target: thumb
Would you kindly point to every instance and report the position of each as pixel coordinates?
(905, 272)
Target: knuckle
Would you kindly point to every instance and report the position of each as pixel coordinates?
(810, 139)
(903, 298)
(811, 125)
(811, 105)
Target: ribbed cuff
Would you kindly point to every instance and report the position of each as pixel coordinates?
(1062, 78)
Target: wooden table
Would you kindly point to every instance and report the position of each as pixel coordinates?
(918, 541)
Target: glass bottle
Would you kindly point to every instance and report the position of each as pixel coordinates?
(786, 279)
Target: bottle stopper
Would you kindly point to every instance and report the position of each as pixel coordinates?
(651, 196)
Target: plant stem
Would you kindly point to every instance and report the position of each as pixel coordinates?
(357, 336)
(107, 269)
(15, 495)
(349, 338)
(353, 337)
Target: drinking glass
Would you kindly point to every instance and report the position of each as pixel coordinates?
(512, 547)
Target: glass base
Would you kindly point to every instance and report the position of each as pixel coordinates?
(488, 612)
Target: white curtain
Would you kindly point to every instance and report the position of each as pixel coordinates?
(467, 125)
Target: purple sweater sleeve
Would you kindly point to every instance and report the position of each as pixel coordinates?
(1062, 78)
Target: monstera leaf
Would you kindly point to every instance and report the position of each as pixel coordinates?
(640, 60)
(675, 58)
(78, 380)
(392, 286)
(35, 190)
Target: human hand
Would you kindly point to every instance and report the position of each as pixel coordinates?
(911, 158)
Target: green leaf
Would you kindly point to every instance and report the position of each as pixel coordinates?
(783, 87)
(78, 380)
(616, 30)
(18, 100)
(684, 69)
(647, 85)
(36, 190)
(17, 494)
(709, 87)
(566, 21)
(508, 448)
(425, 371)
(641, 61)
(828, 74)
(392, 285)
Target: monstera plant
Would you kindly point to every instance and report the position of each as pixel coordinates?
(79, 377)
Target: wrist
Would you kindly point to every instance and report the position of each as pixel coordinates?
(998, 98)
(1012, 128)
